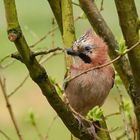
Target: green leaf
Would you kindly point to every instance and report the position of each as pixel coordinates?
(127, 106)
(95, 114)
(32, 117)
(57, 86)
(122, 47)
(52, 80)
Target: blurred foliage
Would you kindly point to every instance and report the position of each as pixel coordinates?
(36, 20)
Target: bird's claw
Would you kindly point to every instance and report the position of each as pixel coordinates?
(92, 131)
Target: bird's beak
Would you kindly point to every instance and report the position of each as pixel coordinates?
(72, 52)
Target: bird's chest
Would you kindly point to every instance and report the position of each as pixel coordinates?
(88, 90)
(91, 82)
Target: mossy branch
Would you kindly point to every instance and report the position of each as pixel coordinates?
(68, 27)
(128, 18)
(40, 77)
(129, 22)
(56, 8)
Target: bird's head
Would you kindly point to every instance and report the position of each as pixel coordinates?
(90, 48)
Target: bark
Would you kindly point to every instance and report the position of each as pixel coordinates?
(68, 27)
(129, 23)
(56, 8)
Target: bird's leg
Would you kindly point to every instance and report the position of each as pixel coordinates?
(92, 131)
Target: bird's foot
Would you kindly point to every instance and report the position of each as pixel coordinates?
(79, 121)
(91, 130)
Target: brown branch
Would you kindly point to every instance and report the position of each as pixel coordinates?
(101, 7)
(40, 136)
(121, 136)
(7, 64)
(50, 125)
(5, 135)
(129, 22)
(3, 87)
(112, 114)
(68, 28)
(18, 87)
(42, 61)
(56, 8)
(47, 34)
(17, 56)
(74, 3)
(4, 58)
(105, 130)
(126, 125)
(44, 37)
(47, 52)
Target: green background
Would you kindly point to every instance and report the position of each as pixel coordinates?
(35, 18)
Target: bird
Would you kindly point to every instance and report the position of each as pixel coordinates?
(91, 88)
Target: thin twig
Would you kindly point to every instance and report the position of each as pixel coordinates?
(50, 126)
(50, 56)
(4, 58)
(19, 86)
(126, 125)
(44, 37)
(121, 136)
(127, 131)
(38, 132)
(3, 87)
(53, 33)
(47, 52)
(134, 128)
(112, 114)
(5, 135)
(7, 64)
(102, 3)
(93, 68)
(104, 65)
(17, 56)
(74, 3)
(48, 33)
(105, 130)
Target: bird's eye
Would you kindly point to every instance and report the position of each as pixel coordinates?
(87, 48)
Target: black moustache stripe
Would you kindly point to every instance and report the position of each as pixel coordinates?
(85, 58)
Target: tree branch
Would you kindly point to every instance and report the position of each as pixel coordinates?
(44, 37)
(68, 27)
(128, 18)
(56, 8)
(5, 135)
(19, 86)
(129, 23)
(3, 87)
(40, 77)
(47, 52)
